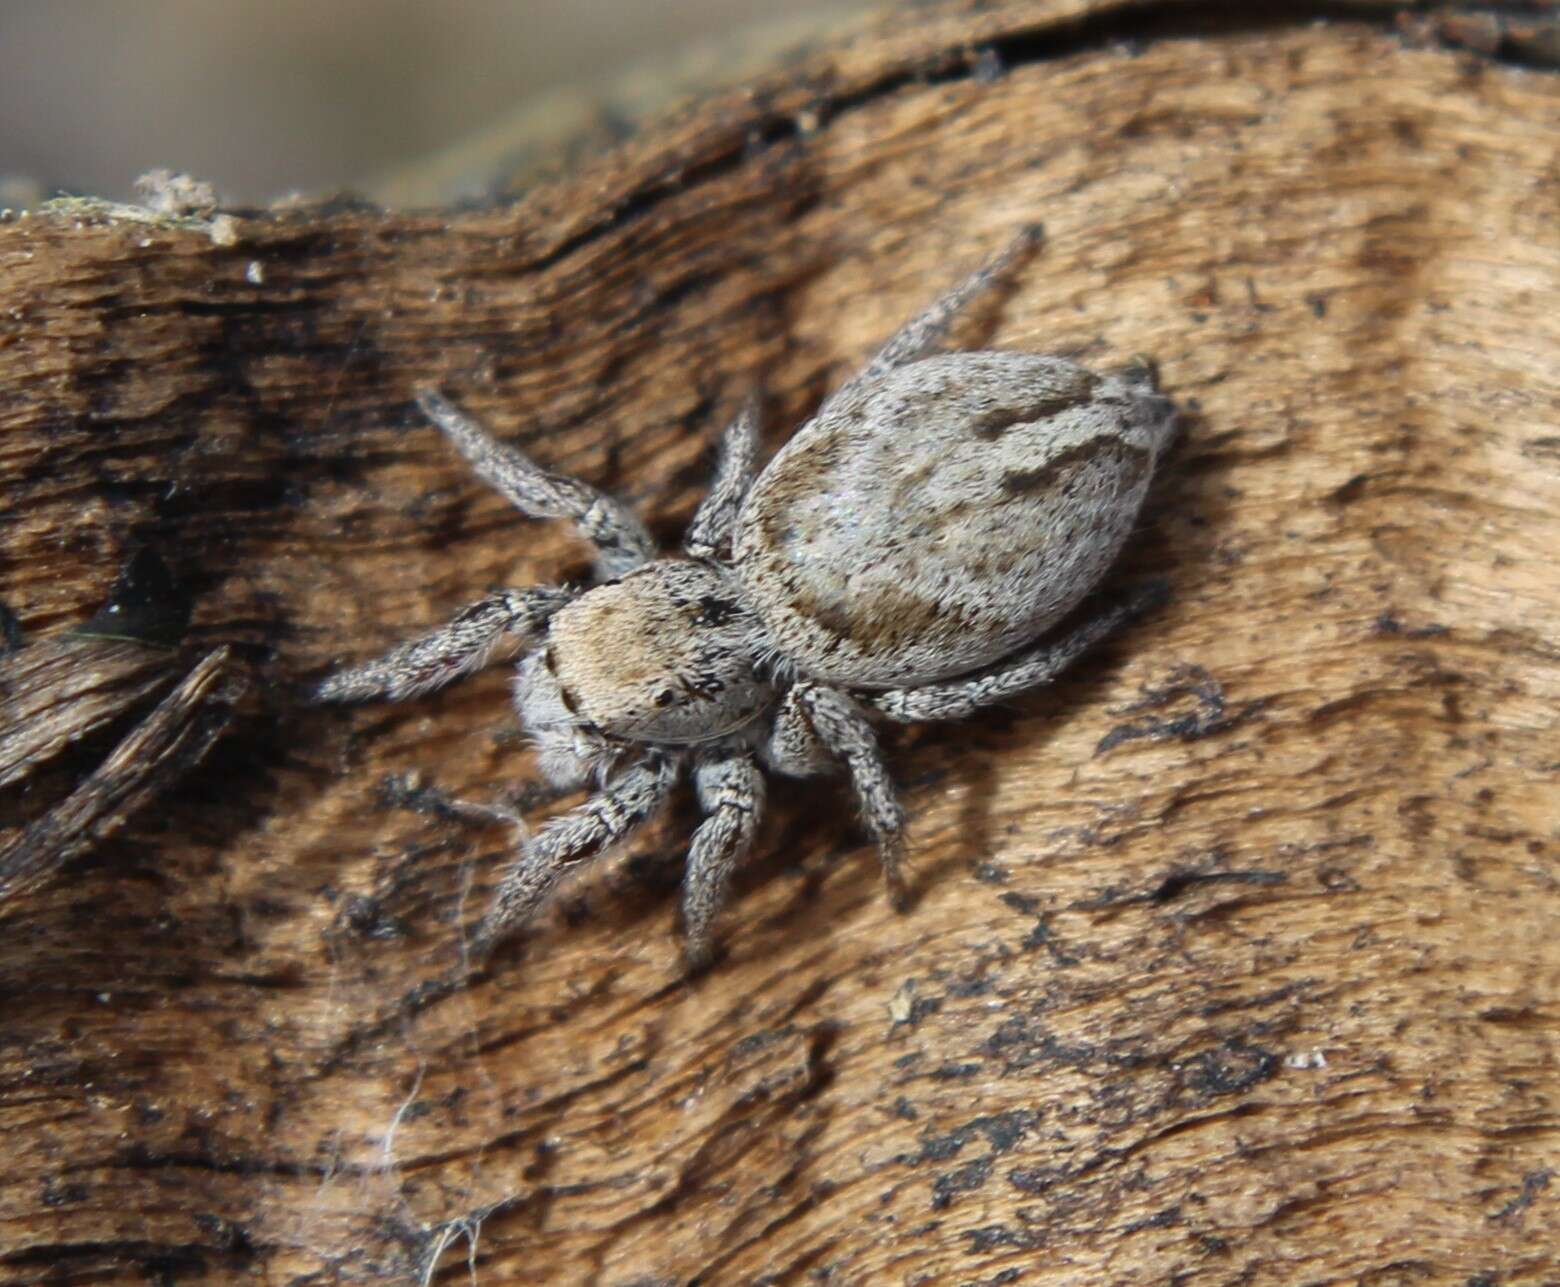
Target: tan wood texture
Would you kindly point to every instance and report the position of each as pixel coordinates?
(1235, 958)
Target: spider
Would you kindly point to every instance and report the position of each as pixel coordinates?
(904, 557)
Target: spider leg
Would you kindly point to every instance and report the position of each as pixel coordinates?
(467, 642)
(731, 792)
(607, 817)
(815, 723)
(621, 541)
(917, 337)
(959, 698)
(709, 534)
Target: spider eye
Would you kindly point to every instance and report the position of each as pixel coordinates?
(665, 697)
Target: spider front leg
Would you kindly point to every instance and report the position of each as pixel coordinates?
(731, 793)
(607, 817)
(960, 698)
(621, 541)
(816, 725)
(469, 641)
(709, 534)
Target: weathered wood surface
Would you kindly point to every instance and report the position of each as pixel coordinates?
(1235, 957)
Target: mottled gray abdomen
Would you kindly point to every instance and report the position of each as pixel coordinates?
(948, 513)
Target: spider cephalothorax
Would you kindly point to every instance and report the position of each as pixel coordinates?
(902, 557)
(666, 655)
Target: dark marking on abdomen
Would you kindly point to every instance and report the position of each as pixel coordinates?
(991, 425)
(1134, 463)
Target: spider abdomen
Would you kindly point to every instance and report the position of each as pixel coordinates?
(933, 521)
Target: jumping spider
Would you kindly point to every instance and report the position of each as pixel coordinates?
(897, 559)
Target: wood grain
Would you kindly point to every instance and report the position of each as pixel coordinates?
(1234, 958)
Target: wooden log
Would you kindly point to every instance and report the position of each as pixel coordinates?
(1234, 957)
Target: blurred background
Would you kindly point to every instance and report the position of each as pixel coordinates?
(263, 98)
